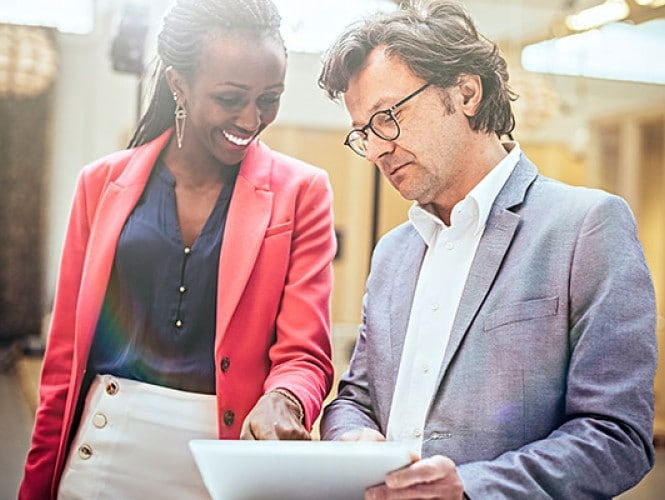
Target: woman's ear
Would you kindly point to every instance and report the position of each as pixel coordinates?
(471, 89)
(176, 83)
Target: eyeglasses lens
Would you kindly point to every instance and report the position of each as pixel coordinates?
(384, 125)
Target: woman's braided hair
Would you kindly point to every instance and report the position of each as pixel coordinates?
(186, 27)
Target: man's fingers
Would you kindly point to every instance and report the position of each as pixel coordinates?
(362, 434)
(423, 471)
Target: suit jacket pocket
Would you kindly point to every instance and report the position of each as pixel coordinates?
(279, 228)
(523, 311)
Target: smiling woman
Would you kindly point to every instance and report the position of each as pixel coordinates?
(194, 289)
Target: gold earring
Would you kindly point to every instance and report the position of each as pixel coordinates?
(180, 120)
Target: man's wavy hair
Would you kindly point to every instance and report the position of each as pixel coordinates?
(438, 41)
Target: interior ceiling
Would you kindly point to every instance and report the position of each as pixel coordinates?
(517, 20)
(514, 23)
(522, 21)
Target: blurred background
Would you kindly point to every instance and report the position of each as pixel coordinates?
(73, 81)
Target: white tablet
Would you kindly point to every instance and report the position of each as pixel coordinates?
(293, 470)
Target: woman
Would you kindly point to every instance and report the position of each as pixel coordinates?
(193, 297)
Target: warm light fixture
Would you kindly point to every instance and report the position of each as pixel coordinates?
(28, 61)
(650, 3)
(607, 12)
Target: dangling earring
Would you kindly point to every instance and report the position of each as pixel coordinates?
(180, 120)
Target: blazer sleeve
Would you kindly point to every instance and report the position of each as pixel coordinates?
(58, 358)
(604, 445)
(352, 408)
(301, 355)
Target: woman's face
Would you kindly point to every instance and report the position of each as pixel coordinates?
(233, 96)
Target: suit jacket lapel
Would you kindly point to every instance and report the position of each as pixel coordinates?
(403, 290)
(249, 215)
(494, 243)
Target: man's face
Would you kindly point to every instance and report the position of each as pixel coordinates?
(426, 161)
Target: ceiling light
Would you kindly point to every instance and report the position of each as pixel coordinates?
(607, 12)
(650, 3)
(617, 51)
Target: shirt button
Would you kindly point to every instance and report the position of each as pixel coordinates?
(417, 433)
(226, 362)
(99, 420)
(112, 387)
(187, 250)
(85, 451)
(434, 306)
(229, 417)
(182, 289)
(450, 245)
(425, 368)
(178, 324)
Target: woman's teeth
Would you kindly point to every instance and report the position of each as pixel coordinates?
(238, 141)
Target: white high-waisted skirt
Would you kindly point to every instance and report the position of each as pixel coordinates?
(132, 443)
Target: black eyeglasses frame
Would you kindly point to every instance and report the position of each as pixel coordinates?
(362, 131)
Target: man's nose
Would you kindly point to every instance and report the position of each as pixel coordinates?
(377, 147)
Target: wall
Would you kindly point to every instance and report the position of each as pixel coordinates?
(628, 158)
(93, 114)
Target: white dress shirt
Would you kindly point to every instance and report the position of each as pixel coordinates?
(445, 268)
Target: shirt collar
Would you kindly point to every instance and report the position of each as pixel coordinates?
(486, 191)
(478, 201)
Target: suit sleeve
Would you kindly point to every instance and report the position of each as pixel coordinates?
(352, 408)
(301, 355)
(57, 363)
(604, 445)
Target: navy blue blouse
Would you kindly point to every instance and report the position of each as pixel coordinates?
(157, 323)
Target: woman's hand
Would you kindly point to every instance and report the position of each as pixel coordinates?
(274, 416)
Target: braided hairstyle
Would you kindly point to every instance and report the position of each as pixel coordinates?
(186, 27)
(438, 41)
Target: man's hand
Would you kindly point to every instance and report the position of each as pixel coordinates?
(435, 477)
(362, 434)
(274, 417)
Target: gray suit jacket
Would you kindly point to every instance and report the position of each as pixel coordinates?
(546, 388)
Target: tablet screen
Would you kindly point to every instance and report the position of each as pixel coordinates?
(294, 470)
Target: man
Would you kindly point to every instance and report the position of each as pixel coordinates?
(508, 329)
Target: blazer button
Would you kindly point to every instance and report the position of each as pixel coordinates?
(112, 387)
(229, 417)
(85, 451)
(226, 362)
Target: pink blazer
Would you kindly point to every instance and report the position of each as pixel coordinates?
(273, 309)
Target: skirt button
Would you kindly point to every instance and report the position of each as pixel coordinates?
(99, 420)
(85, 451)
(112, 387)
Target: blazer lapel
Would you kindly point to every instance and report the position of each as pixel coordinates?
(494, 243)
(115, 205)
(248, 219)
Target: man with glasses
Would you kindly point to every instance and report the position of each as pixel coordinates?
(508, 328)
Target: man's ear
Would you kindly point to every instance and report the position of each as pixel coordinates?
(176, 82)
(471, 89)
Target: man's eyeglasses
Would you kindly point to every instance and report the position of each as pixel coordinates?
(383, 123)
